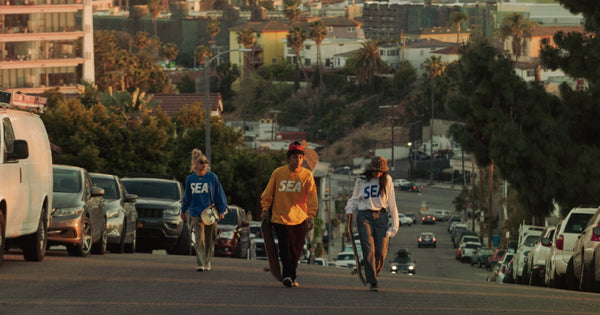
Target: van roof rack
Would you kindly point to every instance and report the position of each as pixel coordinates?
(22, 101)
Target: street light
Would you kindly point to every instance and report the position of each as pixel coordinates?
(410, 160)
(207, 63)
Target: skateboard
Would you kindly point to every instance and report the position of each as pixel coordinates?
(356, 257)
(271, 249)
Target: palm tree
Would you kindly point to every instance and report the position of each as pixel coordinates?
(515, 26)
(213, 29)
(318, 31)
(246, 38)
(295, 39)
(201, 53)
(455, 19)
(434, 68)
(292, 10)
(368, 62)
(142, 40)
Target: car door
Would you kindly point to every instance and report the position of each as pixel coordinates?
(95, 206)
(129, 208)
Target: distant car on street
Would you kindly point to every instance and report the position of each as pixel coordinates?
(404, 220)
(412, 187)
(403, 263)
(428, 219)
(399, 182)
(427, 239)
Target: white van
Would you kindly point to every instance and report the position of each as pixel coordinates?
(26, 185)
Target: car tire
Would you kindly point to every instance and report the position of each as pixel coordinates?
(130, 247)
(82, 249)
(34, 245)
(99, 248)
(2, 239)
(120, 247)
(419, 245)
(570, 280)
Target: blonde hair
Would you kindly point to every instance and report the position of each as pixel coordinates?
(197, 156)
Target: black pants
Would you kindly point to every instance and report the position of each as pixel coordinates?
(291, 242)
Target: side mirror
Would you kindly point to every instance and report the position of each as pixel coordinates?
(131, 198)
(20, 151)
(97, 192)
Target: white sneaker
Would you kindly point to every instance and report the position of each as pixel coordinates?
(200, 268)
(207, 267)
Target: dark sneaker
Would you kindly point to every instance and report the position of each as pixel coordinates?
(374, 287)
(200, 268)
(287, 281)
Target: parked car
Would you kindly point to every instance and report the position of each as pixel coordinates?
(121, 215)
(469, 236)
(481, 257)
(427, 239)
(509, 274)
(458, 234)
(457, 226)
(536, 260)
(404, 220)
(586, 256)
(26, 184)
(403, 263)
(528, 236)
(428, 219)
(255, 229)
(412, 216)
(399, 182)
(257, 248)
(562, 247)
(159, 224)
(233, 234)
(78, 214)
(412, 187)
(504, 267)
(468, 250)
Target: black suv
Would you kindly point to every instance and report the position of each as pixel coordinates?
(159, 223)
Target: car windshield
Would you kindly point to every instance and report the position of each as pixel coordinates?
(470, 245)
(402, 260)
(531, 240)
(66, 181)
(153, 189)
(345, 257)
(109, 185)
(230, 218)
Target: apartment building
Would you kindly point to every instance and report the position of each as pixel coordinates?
(45, 44)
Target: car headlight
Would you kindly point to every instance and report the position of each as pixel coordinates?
(60, 212)
(411, 267)
(394, 267)
(227, 234)
(171, 212)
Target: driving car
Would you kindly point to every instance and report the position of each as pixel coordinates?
(233, 234)
(345, 260)
(428, 219)
(399, 182)
(78, 214)
(412, 216)
(121, 216)
(412, 187)
(427, 239)
(159, 224)
(404, 220)
(562, 247)
(403, 263)
(442, 215)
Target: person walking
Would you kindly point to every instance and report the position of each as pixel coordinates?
(371, 200)
(292, 196)
(202, 189)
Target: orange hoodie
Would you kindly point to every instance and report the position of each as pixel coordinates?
(293, 195)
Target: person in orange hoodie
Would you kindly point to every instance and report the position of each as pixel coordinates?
(292, 193)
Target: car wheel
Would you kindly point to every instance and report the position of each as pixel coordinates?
(82, 249)
(570, 280)
(2, 241)
(130, 247)
(419, 245)
(34, 245)
(99, 248)
(557, 281)
(120, 247)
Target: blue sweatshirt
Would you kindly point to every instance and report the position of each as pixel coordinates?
(201, 192)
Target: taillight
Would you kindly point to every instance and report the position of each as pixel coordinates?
(423, 218)
(433, 218)
(560, 242)
(434, 239)
(595, 237)
(503, 268)
(420, 239)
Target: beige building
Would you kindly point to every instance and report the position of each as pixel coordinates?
(46, 43)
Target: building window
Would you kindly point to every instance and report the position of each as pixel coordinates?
(530, 73)
(274, 60)
(351, 29)
(307, 47)
(307, 62)
(329, 29)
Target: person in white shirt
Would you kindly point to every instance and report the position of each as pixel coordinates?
(371, 200)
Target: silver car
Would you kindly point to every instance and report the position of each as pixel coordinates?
(120, 213)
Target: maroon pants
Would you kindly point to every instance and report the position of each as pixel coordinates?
(291, 242)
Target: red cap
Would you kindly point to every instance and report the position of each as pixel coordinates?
(296, 147)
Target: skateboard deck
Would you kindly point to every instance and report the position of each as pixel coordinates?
(356, 257)
(271, 249)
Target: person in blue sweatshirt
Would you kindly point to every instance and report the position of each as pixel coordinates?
(202, 189)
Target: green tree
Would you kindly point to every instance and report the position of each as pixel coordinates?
(295, 39)
(519, 29)
(455, 19)
(292, 10)
(169, 52)
(318, 31)
(213, 29)
(227, 74)
(368, 63)
(202, 53)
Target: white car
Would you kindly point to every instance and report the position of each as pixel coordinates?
(404, 220)
(26, 182)
(345, 260)
(536, 260)
(562, 247)
(468, 250)
(586, 265)
(399, 182)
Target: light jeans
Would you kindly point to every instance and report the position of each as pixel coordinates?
(372, 228)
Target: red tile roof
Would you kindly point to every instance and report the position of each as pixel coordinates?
(171, 103)
(549, 31)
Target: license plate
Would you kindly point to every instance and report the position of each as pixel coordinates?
(140, 224)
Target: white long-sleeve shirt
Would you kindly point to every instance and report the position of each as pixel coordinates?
(368, 196)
